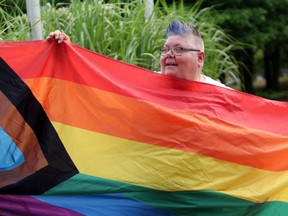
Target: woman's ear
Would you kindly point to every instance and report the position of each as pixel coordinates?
(201, 56)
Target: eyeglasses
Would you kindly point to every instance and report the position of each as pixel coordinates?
(177, 50)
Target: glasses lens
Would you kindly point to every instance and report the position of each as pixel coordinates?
(164, 50)
(175, 50)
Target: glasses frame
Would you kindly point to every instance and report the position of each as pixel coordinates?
(178, 52)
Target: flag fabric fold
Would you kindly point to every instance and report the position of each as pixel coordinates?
(84, 134)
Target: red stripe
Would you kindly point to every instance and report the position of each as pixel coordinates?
(73, 63)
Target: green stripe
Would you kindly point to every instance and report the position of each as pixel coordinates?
(275, 208)
(179, 203)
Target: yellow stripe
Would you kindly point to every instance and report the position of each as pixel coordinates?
(167, 169)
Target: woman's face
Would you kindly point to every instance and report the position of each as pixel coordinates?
(188, 65)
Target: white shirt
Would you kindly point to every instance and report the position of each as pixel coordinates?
(206, 79)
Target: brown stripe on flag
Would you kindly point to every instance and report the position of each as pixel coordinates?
(23, 136)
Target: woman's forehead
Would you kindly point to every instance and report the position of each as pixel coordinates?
(178, 40)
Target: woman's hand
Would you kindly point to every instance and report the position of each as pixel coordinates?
(58, 36)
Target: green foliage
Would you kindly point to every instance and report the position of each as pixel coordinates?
(120, 30)
(280, 95)
(55, 3)
(272, 95)
(255, 22)
(13, 23)
(263, 25)
(9, 7)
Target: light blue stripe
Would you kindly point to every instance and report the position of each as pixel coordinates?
(10, 156)
(103, 204)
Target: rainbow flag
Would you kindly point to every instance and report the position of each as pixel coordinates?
(84, 134)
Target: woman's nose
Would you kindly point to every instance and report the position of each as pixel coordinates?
(170, 53)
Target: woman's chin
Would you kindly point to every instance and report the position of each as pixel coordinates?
(171, 73)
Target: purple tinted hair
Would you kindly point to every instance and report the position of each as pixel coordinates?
(181, 28)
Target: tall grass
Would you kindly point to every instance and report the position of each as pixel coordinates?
(120, 30)
(13, 22)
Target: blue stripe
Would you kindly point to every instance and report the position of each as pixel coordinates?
(103, 204)
(10, 156)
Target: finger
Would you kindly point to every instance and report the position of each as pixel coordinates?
(57, 32)
(50, 36)
(53, 35)
(59, 36)
(63, 37)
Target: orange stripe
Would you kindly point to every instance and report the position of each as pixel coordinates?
(116, 115)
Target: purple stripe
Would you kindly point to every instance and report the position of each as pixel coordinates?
(27, 205)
